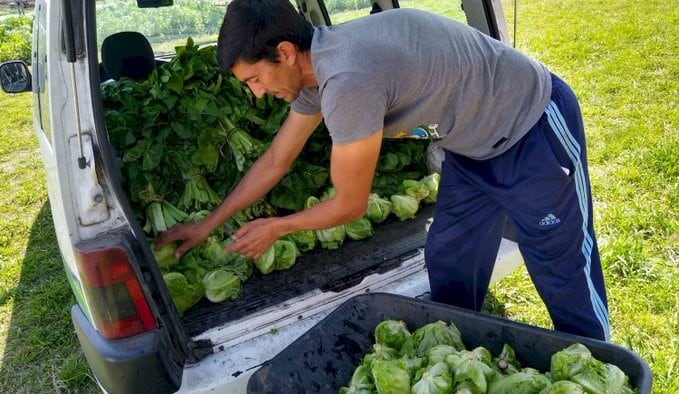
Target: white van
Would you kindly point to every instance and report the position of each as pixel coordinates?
(129, 329)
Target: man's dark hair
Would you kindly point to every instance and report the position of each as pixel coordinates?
(252, 30)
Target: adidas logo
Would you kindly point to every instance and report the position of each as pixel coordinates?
(549, 220)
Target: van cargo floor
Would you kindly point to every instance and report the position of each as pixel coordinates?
(319, 268)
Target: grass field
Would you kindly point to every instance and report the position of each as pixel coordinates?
(621, 59)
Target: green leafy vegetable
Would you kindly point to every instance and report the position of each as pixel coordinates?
(390, 378)
(434, 360)
(378, 208)
(280, 256)
(405, 206)
(430, 335)
(244, 148)
(361, 382)
(359, 229)
(303, 180)
(520, 382)
(266, 263)
(440, 353)
(415, 189)
(436, 379)
(431, 181)
(380, 352)
(286, 254)
(197, 192)
(212, 255)
(393, 161)
(221, 285)
(602, 378)
(563, 387)
(506, 362)
(391, 333)
(184, 294)
(162, 215)
(413, 365)
(472, 368)
(471, 377)
(165, 255)
(305, 240)
(333, 237)
(570, 361)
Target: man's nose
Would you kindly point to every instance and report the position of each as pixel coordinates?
(257, 89)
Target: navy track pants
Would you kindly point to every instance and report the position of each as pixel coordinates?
(542, 185)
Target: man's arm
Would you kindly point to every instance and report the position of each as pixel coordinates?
(352, 168)
(264, 174)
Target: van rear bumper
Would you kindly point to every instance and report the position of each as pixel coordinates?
(128, 365)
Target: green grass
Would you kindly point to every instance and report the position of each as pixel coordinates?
(622, 63)
(39, 352)
(619, 56)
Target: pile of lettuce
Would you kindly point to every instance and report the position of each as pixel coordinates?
(434, 360)
(186, 136)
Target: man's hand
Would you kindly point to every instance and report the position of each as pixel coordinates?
(255, 237)
(191, 234)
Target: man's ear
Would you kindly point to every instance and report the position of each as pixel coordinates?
(287, 52)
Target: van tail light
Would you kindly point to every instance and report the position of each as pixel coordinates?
(114, 295)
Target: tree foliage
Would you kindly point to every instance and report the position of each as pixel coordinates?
(15, 39)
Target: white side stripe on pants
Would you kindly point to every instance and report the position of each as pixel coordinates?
(560, 128)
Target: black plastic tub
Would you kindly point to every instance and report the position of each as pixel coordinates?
(324, 358)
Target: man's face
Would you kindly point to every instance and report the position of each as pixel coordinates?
(278, 79)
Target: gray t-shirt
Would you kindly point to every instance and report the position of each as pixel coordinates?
(418, 74)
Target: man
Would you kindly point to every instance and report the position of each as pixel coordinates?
(511, 131)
